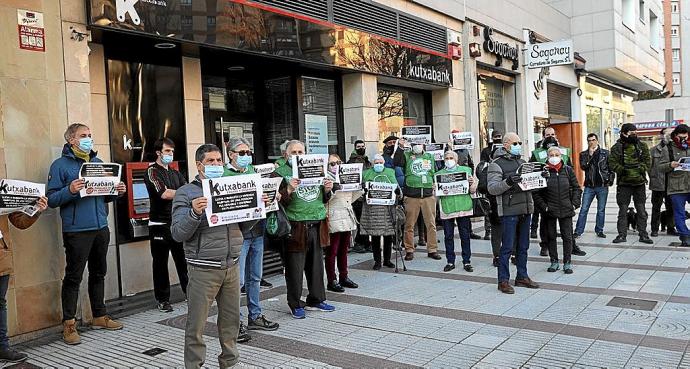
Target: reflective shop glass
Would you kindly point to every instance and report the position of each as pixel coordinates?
(398, 108)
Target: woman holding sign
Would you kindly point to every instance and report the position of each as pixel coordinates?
(454, 183)
(378, 220)
(341, 222)
(558, 201)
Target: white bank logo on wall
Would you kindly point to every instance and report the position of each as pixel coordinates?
(125, 7)
(548, 54)
(428, 73)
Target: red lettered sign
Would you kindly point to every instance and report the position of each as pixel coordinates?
(31, 31)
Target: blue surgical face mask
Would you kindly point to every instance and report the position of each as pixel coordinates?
(378, 168)
(213, 171)
(243, 161)
(86, 144)
(166, 159)
(516, 150)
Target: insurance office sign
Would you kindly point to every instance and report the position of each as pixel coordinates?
(548, 54)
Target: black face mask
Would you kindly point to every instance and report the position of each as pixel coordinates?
(631, 139)
(548, 142)
(360, 151)
(498, 140)
(388, 150)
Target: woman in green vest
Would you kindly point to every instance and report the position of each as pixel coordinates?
(378, 221)
(457, 209)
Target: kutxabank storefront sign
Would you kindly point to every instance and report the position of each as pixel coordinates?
(549, 54)
(257, 28)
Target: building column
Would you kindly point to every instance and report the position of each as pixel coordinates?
(193, 110)
(360, 112)
(448, 107)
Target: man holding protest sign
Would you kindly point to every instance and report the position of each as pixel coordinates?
(515, 207)
(212, 252)
(161, 182)
(675, 163)
(419, 167)
(85, 230)
(305, 208)
(454, 184)
(252, 255)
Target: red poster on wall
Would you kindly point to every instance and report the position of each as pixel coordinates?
(31, 31)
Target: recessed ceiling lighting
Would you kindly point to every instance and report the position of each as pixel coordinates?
(164, 45)
(236, 68)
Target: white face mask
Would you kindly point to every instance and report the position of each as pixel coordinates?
(450, 163)
(417, 149)
(554, 160)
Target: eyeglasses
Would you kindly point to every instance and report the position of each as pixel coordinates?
(335, 163)
(243, 152)
(517, 143)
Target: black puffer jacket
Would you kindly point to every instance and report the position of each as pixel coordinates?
(562, 193)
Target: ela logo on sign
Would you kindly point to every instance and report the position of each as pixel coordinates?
(124, 7)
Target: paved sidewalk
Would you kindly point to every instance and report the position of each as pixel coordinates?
(424, 317)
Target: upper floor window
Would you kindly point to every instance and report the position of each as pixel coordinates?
(654, 30)
(675, 31)
(642, 11)
(211, 21)
(674, 7)
(629, 13)
(675, 54)
(186, 20)
(186, 2)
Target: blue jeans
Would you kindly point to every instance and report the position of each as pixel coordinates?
(601, 193)
(679, 200)
(4, 283)
(514, 226)
(251, 269)
(464, 228)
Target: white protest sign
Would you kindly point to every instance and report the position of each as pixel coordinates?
(233, 199)
(531, 176)
(309, 169)
(265, 170)
(100, 179)
(462, 140)
(450, 184)
(350, 176)
(19, 196)
(417, 135)
(379, 193)
(436, 150)
(270, 188)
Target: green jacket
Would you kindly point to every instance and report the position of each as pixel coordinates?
(419, 170)
(306, 203)
(630, 162)
(451, 206)
(677, 181)
(387, 176)
(280, 162)
(232, 172)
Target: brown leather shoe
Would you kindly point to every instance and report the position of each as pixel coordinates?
(434, 255)
(69, 332)
(409, 256)
(526, 282)
(105, 322)
(505, 288)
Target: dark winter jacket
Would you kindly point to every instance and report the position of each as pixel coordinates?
(79, 214)
(399, 174)
(657, 177)
(510, 200)
(356, 158)
(678, 181)
(596, 167)
(208, 247)
(562, 193)
(630, 162)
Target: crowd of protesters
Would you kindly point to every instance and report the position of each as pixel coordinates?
(221, 262)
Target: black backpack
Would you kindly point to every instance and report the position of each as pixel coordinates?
(482, 172)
